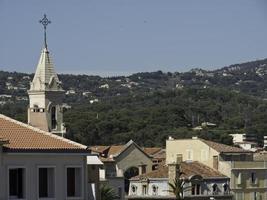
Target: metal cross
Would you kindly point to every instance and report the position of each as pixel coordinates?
(45, 22)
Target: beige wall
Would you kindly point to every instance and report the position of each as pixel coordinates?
(245, 186)
(199, 150)
(31, 162)
(133, 157)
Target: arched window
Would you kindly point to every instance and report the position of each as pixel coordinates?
(133, 189)
(225, 188)
(53, 118)
(155, 190)
(215, 189)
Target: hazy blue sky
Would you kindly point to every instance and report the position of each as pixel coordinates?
(114, 37)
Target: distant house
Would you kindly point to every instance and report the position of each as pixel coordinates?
(106, 86)
(201, 182)
(35, 164)
(158, 156)
(247, 176)
(121, 162)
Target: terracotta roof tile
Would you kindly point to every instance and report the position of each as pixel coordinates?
(99, 149)
(25, 138)
(224, 148)
(151, 150)
(116, 149)
(188, 169)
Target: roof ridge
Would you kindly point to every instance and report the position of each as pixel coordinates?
(41, 131)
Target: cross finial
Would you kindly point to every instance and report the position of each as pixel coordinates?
(45, 22)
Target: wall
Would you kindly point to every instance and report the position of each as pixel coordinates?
(162, 185)
(132, 157)
(246, 188)
(200, 151)
(31, 163)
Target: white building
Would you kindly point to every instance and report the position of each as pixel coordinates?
(35, 164)
(203, 182)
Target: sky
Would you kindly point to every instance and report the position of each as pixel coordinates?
(121, 37)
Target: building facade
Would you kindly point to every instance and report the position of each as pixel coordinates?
(35, 164)
(45, 110)
(200, 182)
(121, 162)
(228, 160)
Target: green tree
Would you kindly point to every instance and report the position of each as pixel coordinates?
(107, 193)
(177, 188)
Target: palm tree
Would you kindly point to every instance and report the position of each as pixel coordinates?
(177, 188)
(107, 193)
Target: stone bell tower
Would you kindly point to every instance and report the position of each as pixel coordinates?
(46, 94)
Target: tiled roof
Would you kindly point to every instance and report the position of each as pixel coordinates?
(188, 169)
(99, 149)
(224, 148)
(108, 150)
(44, 73)
(116, 149)
(107, 153)
(25, 138)
(151, 150)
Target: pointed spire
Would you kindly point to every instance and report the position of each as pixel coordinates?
(45, 78)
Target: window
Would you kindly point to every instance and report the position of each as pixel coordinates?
(154, 190)
(53, 117)
(204, 155)
(134, 189)
(253, 178)
(74, 182)
(214, 189)
(46, 181)
(239, 178)
(189, 154)
(196, 189)
(255, 195)
(16, 183)
(144, 190)
(225, 188)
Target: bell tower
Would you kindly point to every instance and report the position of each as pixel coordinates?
(46, 94)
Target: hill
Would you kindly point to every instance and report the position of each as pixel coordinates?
(149, 106)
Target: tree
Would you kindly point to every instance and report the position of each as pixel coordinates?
(177, 188)
(107, 193)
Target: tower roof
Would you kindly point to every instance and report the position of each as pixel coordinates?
(45, 78)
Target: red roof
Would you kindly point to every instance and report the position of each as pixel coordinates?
(25, 138)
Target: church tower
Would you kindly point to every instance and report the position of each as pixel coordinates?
(46, 94)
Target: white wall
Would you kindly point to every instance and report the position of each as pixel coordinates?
(31, 162)
(162, 185)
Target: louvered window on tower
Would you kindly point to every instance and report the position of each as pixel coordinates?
(53, 117)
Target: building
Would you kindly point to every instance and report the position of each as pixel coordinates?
(247, 177)
(158, 156)
(35, 164)
(121, 162)
(200, 182)
(46, 96)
